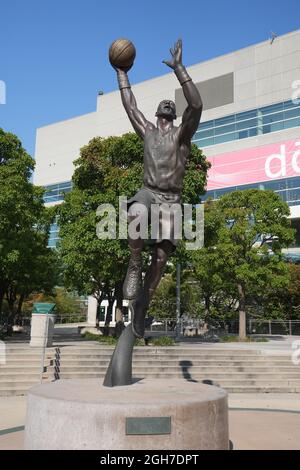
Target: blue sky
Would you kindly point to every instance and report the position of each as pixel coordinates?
(53, 54)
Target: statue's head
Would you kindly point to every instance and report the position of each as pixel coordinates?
(167, 110)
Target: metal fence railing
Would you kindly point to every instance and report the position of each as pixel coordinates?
(195, 326)
(71, 318)
(266, 327)
(188, 326)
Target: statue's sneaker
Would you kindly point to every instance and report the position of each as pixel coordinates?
(133, 281)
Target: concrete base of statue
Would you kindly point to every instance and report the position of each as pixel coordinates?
(149, 414)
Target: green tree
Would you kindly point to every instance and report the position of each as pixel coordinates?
(286, 303)
(248, 251)
(25, 262)
(216, 293)
(106, 169)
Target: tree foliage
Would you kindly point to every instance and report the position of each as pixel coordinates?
(106, 169)
(25, 262)
(242, 261)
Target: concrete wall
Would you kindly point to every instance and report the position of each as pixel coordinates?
(58, 145)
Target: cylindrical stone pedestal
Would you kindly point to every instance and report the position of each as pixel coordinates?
(150, 414)
(42, 328)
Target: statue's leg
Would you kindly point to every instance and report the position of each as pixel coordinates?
(133, 280)
(153, 276)
(119, 371)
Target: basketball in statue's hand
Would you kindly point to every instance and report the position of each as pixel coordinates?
(122, 54)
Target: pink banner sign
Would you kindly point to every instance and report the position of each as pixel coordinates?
(269, 162)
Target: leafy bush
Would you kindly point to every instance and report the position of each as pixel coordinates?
(162, 341)
(109, 340)
(235, 339)
(112, 341)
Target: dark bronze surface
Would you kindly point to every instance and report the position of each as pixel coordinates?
(166, 149)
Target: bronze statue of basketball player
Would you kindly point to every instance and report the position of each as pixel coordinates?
(166, 149)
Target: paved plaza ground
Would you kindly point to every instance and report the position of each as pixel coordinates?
(256, 421)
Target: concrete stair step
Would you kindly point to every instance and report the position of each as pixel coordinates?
(18, 384)
(8, 392)
(177, 362)
(172, 361)
(20, 376)
(177, 366)
(260, 389)
(23, 356)
(145, 352)
(198, 377)
(17, 369)
(147, 357)
(192, 373)
(199, 348)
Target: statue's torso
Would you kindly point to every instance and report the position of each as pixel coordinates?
(164, 160)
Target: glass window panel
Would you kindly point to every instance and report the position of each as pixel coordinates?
(293, 195)
(291, 113)
(225, 120)
(272, 108)
(243, 134)
(292, 123)
(290, 104)
(206, 125)
(273, 117)
(204, 134)
(246, 124)
(275, 185)
(208, 195)
(282, 194)
(252, 132)
(205, 142)
(52, 243)
(293, 182)
(225, 138)
(266, 129)
(224, 129)
(247, 186)
(52, 191)
(221, 192)
(246, 115)
(278, 126)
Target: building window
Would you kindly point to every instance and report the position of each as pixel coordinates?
(287, 188)
(238, 126)
(56, 192)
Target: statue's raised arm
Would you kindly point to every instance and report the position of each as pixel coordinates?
(136, 117)
(192, 114)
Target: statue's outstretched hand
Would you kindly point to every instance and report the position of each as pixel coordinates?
(176, 54)
(123, 69)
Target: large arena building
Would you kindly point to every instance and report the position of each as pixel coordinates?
(250, 126)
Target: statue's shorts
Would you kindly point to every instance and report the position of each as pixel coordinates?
(159, 215)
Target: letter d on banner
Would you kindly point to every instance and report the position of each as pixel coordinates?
(281, 160)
